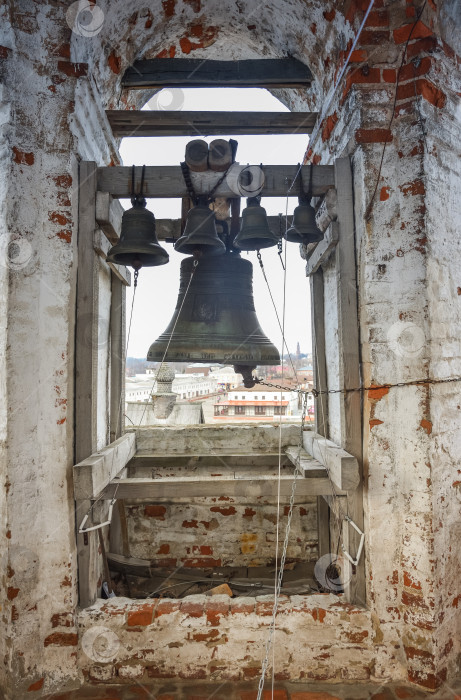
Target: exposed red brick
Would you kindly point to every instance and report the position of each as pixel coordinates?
(417, 31)
(251, 671)
(245, 608)
(328, 125)
(249, 512)
(73, 70)
(410, 71)
(190, 523)
(413, 188)
(373, 136)
(14, 613)
(427, 45)
(115, 62)
(375, 422)
(64, 235)
(169, 7)
(141, 617)
(378, 18)
(313, 696)
(155, 512)
(66, 581)
(12, 592)
(384, 194)
(61, 639)
(329, 15)
(192, 609)
(202, 549)
(358, 56)
(4, 51)
(415, 653)
(357, 637)
(424, 679)
(166, 607)
(319, 614)
(230, 510)
(38, 685)
(64, 181)
(389, 75)
(163, 549)
(316, 159)
(313, 28)
(58, 218)
(8, 534)
(157, 672)
(62, 620)
(458, 289)
(279, 694)
(426, 425)
(22, 157)
(205, 636)
(374, 37)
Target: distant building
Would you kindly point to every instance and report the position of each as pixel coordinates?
(258, 403)
(226, 378)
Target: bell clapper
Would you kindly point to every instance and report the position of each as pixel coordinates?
(247, 373)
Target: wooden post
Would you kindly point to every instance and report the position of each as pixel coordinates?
(86, 369)
(117, 358)
(321, 402)
(349, 353)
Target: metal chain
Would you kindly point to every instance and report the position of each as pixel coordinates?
(190, 187)
(315, 392)
(188, 180)
(296, 473)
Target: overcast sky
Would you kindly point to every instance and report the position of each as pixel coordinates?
(158, 286)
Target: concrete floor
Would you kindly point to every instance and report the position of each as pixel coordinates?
(244, 691)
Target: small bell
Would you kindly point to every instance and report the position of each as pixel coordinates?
(138, 245)
(200, 234)
(303, 227)
(255, 232)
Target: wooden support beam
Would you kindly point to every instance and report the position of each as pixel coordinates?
(109, 214)
(190, 72)
(349, 353)
(94, 473)
(170, 229)
(243, 486)
(149, 123)
(309, 466)
(164, 181)
(117, 357)
(342, 466)
(323, 249)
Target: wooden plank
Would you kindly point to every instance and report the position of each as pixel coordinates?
(94, 473)
(310, 467)
(151, 123)
(102, 246)
(348, 338)
(167, 180)
(109, 214)
(189, 487)
(170, 229)
(86, 321)
(342, 466)
(117, 358)
(190, 72)
(323, 525)
(318, 352)
(323, 249)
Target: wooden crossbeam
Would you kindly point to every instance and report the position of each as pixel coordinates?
(167, 181)
(190, 72)
(150, 123)
(265, 485)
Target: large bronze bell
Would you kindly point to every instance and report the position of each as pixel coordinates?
(200, 234)
(254, 232)
(218, 321)
(138, 245)
(303, 227)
